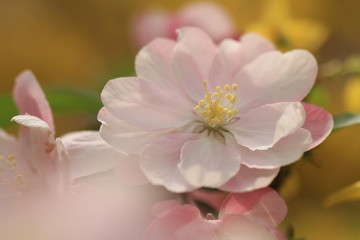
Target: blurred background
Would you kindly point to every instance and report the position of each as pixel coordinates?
(75, 47)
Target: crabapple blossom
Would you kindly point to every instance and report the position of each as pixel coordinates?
(49, 187)
(37, 162)
(224, 116)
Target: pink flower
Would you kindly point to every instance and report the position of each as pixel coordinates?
(73, 187)
(152, 24)
(37, 163)
(252, 215)
(202, 115)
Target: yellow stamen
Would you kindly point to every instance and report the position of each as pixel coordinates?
(217, 108)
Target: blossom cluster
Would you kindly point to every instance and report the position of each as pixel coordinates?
(205, 119)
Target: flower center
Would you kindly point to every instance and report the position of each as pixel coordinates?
(217, 108)
(10, 174)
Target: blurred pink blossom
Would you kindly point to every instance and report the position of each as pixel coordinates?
(205, 15)
(252, 215)
(68, 187)
(224, 116)
(36, 162)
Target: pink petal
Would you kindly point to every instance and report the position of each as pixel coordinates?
(198, 15)
(123, 136)
(263, 205)
(191, 61)
(153, 63)
(275, 77)
(197, 43)
(262, 127)
(90, 154)
(133, 99)
(207, 162)
(30, 98)
(286, 151)
(239, 227)
(165, 225)
(159, 161)
(233, 55)
(248, 179)
(318, 122)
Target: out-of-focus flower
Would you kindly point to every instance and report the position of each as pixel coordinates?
(37, 162)
(252, 215)
(287, 32)
(67, 188)
(225, 116)
(345, 194)
(152, 24)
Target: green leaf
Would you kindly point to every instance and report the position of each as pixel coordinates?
(65, 100)
(7, 110)
(62, 101)
(345, 120)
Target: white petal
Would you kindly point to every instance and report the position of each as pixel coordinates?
(32, 122)
(160, 159)
(143, 104)
(123, 136)
(206, 162)
(191, 60)
(233, 55)
(264, 126)
(275, 77)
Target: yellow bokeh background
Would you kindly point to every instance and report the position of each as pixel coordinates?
(79, 42)
(83, 43)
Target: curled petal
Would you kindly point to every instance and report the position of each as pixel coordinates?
(286, 151)
(318, 122)
(262, 127)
